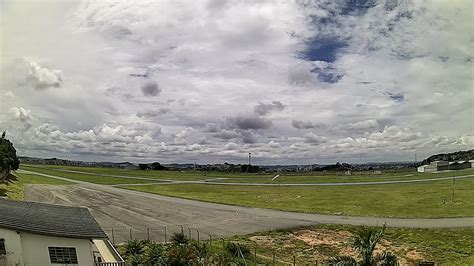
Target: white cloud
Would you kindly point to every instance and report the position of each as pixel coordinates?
(362, 125)
(42, 77)
(208, 73)
(231, 146)
(22, 114)
(313, 138)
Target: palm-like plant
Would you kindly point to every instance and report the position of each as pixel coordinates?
(155, 254)
(364, 242)
(134, 247)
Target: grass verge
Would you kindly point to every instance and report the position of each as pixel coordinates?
(428, 200)
(14, 190)
(97, 179)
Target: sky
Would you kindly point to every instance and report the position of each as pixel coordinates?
(208, 81)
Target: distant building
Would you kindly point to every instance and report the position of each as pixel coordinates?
(459, 165)
(44, 234)
(443, 165)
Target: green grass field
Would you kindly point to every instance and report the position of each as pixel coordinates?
(316, 177)
(394, 200)
(104, 180)
(426, 199)
(14, 190)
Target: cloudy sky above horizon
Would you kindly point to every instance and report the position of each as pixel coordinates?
(209, 81)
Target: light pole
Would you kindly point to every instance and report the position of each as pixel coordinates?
(453, 200)
(250, 155)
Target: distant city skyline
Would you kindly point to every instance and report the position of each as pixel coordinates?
(291, 82)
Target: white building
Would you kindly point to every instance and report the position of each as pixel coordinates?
(37, 234)
(443, 165)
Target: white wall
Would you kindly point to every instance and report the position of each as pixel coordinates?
(35, 249)
(13, 246)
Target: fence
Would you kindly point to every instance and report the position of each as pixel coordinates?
(249, 252)
(160, 234)
(252, 254)
(109, 264)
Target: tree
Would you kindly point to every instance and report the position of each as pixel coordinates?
(143, 166)
(8, 160)
(364, 242)
(158, 166)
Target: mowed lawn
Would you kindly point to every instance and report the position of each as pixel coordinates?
(97, 179)
(426, 199)
(14, 190)
(104, 171)
(430, 199)
(310, 177)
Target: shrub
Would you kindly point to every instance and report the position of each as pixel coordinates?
(179, 239)
(155, 254)
(134, 247)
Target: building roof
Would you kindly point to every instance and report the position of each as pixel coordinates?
(48, 219)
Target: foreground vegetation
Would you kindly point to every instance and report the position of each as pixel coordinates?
(311, 244)
(322, 242)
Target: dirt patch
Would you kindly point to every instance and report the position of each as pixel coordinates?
(322, 236)
(321, 244)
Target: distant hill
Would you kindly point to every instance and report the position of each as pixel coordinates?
(453, 156)
(56, 161)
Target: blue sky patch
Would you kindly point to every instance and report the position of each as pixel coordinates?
(323, 49)
(396, 97)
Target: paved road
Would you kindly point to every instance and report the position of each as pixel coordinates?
(214, 182)
(115, 207)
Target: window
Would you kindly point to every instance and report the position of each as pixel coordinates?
(62, 255)
(3, 250)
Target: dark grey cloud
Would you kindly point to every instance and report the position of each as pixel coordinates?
(153, 113)
(397, 97)
(249, 137)
(305, 124)
(246, 122)
(263, 109)
(150, 88)
(212, 127)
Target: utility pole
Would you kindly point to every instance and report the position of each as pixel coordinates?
(453, 200)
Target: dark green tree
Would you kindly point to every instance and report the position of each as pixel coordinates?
(8, 159)
(158, 166)
(142, 166)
